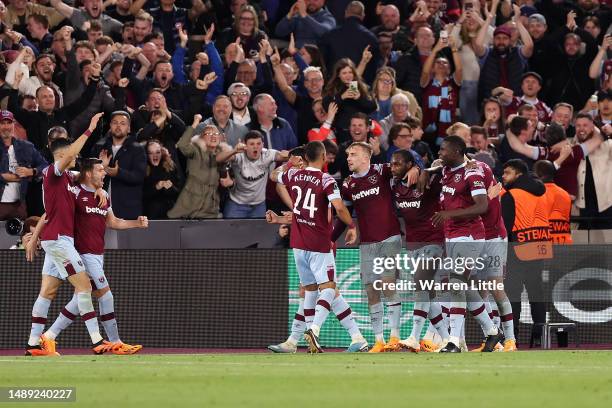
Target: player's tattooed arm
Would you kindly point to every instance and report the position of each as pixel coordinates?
(32, 244)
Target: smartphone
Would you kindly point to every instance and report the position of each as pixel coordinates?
(444, 36)
(469, 6)
(353, 86)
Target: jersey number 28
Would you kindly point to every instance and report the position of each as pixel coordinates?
(308, 203)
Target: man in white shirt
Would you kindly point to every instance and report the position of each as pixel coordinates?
(251, 165)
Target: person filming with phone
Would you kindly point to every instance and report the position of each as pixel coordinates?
(347, 89)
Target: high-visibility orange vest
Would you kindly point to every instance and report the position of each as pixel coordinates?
(531, 225)
(559, 217)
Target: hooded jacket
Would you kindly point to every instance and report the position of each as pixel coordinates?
(525, 210)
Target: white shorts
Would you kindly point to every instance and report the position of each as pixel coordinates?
(61, 254)
(431, 255)
(315, 267)
(94, 266)
(463, 250)
(495, 257)
(368, 253)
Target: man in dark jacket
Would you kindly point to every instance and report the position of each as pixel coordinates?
(570, 81)
(37, 123)
(125, 163)
(20, 162)
(409, 66)
(349, 41)
(502, 64)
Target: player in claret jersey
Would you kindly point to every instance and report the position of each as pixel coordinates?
(463, 201)
(423, 240)
(495, 257)
(368, 190)
(57, 239)
(311, 192)
(90, 225)
(303, 317)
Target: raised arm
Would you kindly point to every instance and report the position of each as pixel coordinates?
(527, 49)
(78, 144)
(227, 155)
(595, 68)
(479, 43)
(458, 75)
(366, 57)
(137, 5)
(280, 79)
(64, 9)
(426, 72)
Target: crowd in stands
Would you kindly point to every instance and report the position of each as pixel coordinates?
(214, 94)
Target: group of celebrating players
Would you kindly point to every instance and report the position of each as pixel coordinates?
(77, 212)
(452, 209)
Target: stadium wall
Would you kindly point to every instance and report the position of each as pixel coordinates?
(226, 234)
(247, 298)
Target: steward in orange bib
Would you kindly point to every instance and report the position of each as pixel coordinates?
(525, 210)
(559, 201)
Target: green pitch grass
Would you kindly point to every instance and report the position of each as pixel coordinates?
(523, 379)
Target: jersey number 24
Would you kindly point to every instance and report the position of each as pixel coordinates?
(308, 203)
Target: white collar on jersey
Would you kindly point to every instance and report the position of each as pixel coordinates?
(458, 167)
(312, 168)
(84, 187)
(358, 175)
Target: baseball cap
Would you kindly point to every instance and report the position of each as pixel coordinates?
(505, 30)
(537, 17)
(533, 75)
(6, 115)
(528, 11)
(122, 113)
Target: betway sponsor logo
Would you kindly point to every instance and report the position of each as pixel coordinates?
(95, 210)
(74, 189)
(366, 193)
(409, 204)
(449, 190)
